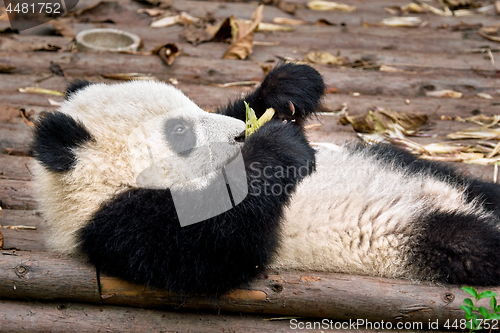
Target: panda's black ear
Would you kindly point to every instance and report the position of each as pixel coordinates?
(76, 85)
(54, 138)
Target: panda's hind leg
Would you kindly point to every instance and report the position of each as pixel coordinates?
(458, 248)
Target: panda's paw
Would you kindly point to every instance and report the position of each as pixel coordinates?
(294, 91)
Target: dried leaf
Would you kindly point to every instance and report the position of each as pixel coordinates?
(62, 29)
(476, 133)
(242, 36)
(497, 7)
(328, 5)
(182, 18)
(1, 241)
(385, 121)
(5, 68)
(491, 32)
(167, 52)
(271, 27)
(130, 76)
(153, 12)
(36, 90)
(8, 112)
(484, 95)
(405, 21)
(288, 21)
(19, 151)
(444, 93)
(26, 118)
(56, 69)
(325, 58)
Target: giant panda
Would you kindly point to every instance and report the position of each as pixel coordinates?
(120, 167)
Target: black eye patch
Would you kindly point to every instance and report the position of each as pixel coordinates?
(180, 135)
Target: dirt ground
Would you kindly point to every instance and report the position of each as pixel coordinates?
(382, 67)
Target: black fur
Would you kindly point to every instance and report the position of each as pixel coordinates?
(460, 248)
(474, 189)
(300, 85)
(76, 85)
(55, 135)
(137, 236)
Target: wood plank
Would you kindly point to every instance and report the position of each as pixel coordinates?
(25, 240)
(15, 167)
(17, 194)
(42, 317)
(41, 275)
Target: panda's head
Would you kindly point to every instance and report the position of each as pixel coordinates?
(148, 128)
(109, 138)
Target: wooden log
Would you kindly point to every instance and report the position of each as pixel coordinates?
(41, 275)
(17, 194)
(43, 317)
(15, 167)
(22, 238)
(311, 294)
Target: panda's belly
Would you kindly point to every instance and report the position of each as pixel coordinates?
(357, 215)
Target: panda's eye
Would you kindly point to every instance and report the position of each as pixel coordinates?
(180, 129)
(180, 135)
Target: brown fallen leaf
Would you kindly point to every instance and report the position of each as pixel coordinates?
(27, 121)
(325, 58)
(242, 36)
(1, 241)
(167, 52)
(385, 121)
(285, 6)
(329, 5)
(56, 69)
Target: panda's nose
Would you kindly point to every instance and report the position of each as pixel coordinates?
(240, 137)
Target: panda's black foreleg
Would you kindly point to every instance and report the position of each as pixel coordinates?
(137, 236)
(294, 91)
(458, 248)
